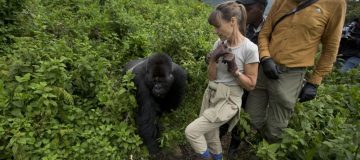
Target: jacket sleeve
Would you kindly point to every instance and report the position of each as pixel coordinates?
(265, 33)
(330, 43)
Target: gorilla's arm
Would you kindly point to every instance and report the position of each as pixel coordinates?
(177, 91)
(148, 128)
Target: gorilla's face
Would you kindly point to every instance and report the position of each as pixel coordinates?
(159, 78)
(162, 85)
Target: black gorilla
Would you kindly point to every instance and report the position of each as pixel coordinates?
(160, 87)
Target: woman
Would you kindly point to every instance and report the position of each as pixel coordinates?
(232, 66)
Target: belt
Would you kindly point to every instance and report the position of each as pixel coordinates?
(290, 69)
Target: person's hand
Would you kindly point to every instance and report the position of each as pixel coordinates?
(270, 69)
(230, 60)
(221, 50)
(308, 92)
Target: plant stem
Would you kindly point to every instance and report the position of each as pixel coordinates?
(357, 150)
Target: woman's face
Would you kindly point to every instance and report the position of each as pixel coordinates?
(224, 29)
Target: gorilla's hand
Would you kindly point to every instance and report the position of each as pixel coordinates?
(270, 69)
(308, 92)
(221, 50)
(230, 60)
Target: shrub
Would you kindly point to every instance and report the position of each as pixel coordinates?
(62, 95)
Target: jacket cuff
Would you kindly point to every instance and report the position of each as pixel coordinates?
(315, 80)
(264, 54)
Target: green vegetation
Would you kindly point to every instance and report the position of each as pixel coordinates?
(353, 10)
(61, 92)
(62, 95)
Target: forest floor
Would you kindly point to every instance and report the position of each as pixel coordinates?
(188, 153)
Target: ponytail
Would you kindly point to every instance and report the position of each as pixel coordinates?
(242, 20)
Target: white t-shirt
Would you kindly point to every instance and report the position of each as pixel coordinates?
(245, 53)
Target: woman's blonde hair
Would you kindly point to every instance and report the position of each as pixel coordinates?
(226, 11)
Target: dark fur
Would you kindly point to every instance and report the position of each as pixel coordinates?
(150, 106)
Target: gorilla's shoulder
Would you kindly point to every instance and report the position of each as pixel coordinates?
(130, 66)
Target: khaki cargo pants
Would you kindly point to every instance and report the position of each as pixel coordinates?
(220, 105)
(271, 104)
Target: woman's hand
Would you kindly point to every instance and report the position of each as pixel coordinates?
(221, 50)
(229, 58)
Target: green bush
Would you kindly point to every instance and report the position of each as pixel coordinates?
(353, 11)
(62, 95)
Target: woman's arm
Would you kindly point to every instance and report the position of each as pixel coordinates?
(212, 69)
(247, 80)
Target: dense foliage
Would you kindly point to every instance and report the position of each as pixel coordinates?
(353, 10)
(62, 95)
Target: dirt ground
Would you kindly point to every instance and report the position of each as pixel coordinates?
(189, 154)
(185, 152)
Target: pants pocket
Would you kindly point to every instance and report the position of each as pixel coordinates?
(226, 112)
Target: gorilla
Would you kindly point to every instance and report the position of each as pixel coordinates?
(160, 87)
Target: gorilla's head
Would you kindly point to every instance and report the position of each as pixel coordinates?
(159, 76)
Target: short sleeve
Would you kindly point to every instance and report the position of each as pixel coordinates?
(252, 54)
